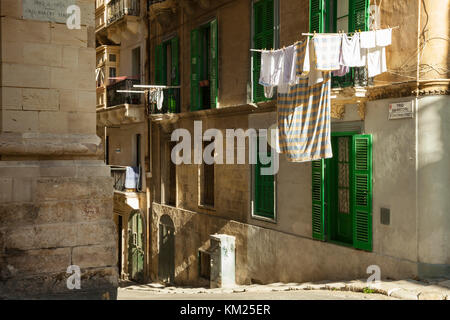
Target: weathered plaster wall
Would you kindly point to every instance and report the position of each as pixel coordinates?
(433, 184)
(124, 138)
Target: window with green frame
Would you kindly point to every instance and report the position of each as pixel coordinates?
(263, 38)
(337, 15)
(342, 193)
(264, 187)
(204, 66)
(167, 72)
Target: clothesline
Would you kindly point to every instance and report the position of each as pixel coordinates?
(147, 86)
(313, 34)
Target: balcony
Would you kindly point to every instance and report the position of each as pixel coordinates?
(117, 9)
(126, 179)
(115, 98)
(171, 103)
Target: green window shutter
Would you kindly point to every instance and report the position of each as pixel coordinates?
(159, 64)
(318, 200)
(175, 76)
(195, 70)
(316, 16)
(264, 15)
(214, 63)
(362, 192)
(175, 44)
(264, 190)
(359, 15)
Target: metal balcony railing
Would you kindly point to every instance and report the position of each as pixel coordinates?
(126, 178)
(117, 9)
(357, 77)
(115, 98)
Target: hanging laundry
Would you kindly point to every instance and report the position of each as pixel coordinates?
(383, 37)
(376, 61)
(341, 72)
(159, 98)
(304, 118)
(351, 52)
(314, 76)
(289, 70)
(303, 64)
(367, 39)
(327, 49)
(272, 64)
(268, 92)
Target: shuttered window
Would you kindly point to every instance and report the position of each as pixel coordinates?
(360, 177)
(205, 66)
(318, 200)
(362, 192)
(167, 72)
(263, 38)
(335, 15)
(264, 189)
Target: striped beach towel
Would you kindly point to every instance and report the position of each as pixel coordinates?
(304, 118)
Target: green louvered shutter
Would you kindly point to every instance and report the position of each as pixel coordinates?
(316, 16)
(159, 65)
(359, 15)
(318, 200)
(175, 76)
(264, 189)
(214, 64)
(175, 44)
(195, 70)
(362, 192)
(263, 12)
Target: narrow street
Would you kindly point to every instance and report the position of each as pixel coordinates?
(125, 294)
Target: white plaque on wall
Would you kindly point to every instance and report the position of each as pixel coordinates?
(401, 110)
(47, 10)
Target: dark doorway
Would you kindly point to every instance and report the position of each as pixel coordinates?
(166, 265)
(107, 150)
(119, 244)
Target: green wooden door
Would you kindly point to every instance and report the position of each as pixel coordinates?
(339, 182)
(136, 247)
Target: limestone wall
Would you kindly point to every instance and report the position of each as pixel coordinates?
(55, 198)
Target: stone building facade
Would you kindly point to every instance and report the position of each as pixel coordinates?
(406, 222)
(55, 195)
(121, 42)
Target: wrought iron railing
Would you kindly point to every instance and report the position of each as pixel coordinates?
(117, 9)
(126, 178)
(115, 98)
(357, 77)
(119, 175)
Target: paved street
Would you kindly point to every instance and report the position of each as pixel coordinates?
(283, 295)
(256, 292)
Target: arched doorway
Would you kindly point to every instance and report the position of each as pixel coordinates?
(136, 247)
(166, 263)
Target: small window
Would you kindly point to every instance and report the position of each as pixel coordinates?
(207, 182)
(112, 58)
(112, 72)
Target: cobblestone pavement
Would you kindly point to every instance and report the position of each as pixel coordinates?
(438, 289)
